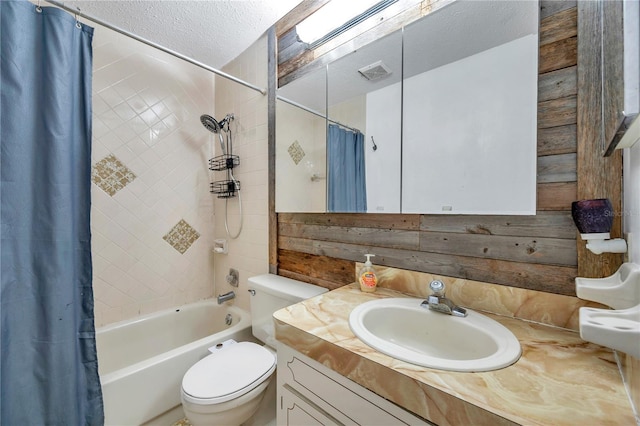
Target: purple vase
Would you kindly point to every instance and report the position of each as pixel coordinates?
(593, 216)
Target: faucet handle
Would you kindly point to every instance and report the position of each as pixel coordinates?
(437, 287)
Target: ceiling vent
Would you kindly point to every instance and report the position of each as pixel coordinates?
(375, 71)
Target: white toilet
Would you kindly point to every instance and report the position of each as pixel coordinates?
(227, 387)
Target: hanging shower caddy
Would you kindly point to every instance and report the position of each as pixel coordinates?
(225, 188)
(227, 161)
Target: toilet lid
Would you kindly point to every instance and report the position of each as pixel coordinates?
(229, 373)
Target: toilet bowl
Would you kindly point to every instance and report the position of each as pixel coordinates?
(226, 387)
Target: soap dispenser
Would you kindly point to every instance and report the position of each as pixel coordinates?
(367, 277)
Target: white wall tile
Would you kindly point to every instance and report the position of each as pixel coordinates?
(146, 113)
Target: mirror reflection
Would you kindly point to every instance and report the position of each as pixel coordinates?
(363, 140)
(470, 109)
(301, 135)
(440, 119)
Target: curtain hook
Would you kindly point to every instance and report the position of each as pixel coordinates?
(78, 24)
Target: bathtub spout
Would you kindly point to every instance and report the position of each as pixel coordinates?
(224, 297)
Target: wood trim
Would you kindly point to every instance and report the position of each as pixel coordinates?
(271, 150)
(612, 68)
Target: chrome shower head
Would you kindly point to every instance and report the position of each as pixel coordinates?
(210, 123)
(213, 126)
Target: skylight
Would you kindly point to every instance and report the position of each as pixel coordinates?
(336, 17)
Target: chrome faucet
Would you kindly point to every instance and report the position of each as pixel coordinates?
(224, 297)
(438, 302)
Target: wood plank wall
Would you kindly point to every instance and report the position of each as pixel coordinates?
(535, 252)
(599, 176)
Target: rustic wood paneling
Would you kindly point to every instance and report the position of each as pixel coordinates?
(557, 84)
(598, 176)
(373, 236)
(289, 46)
(559, 26)
(550, 251)
(535, 252)
(383, 221)
(543, 224)
(555, 279)
(558, 55)
(557, 168)
(557, 112)
(551, 7)
(325, 271)
(556, 196)
(557, 140)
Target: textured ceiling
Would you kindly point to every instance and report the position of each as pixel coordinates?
(213, 32)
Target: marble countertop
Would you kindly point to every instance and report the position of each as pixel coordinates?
(559, 379)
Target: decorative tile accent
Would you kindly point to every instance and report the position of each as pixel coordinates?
(183, 422)
(296, 152)
(181, 236)
(110, 175)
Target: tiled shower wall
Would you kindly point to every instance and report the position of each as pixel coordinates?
(249, 253)
(152, 214)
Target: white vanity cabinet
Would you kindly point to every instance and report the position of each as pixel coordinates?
(311, 394)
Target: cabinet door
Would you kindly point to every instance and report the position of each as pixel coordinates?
(296, 410)
(337, 397)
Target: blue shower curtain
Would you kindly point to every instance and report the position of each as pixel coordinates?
(347, 188)
(49, 368)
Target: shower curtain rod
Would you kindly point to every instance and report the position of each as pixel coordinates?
(295, 104)
(78, 13)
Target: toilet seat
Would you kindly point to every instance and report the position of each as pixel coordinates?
(228, 373)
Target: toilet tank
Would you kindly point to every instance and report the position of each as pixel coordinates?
(270, 293)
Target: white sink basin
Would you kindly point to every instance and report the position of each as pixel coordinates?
(402, 329)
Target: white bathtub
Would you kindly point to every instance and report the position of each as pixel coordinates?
(142, 361)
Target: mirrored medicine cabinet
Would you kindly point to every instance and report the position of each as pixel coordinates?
(441, 116)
